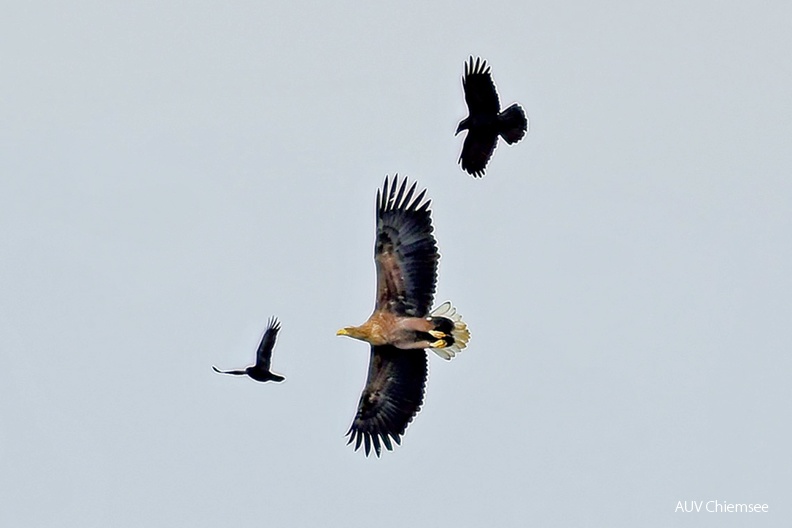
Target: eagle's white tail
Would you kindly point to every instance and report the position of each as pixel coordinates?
(447, 320)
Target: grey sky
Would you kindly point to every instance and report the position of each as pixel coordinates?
(172, 174)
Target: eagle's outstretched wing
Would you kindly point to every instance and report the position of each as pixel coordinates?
(405, 251)
(392, 397)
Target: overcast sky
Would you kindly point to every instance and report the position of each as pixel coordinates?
(174, 173)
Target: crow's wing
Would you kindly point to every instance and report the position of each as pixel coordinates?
(264, 354)
(480, 94)
(477, 150)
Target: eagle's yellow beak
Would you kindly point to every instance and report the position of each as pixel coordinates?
(343, 331)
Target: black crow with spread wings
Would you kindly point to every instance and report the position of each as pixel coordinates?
(485, 122)
(261, 370)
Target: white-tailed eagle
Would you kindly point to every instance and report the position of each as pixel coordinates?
(402, 326)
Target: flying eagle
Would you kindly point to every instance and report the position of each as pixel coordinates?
(261, 370)
(401, 327)
(485, 122)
